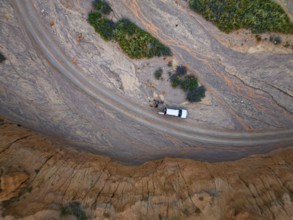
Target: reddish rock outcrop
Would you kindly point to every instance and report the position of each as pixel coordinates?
(11, 182)
(47, 176)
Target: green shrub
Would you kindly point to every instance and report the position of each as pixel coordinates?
(93, 17)
(259, 16)
(158, 73)
(102, 7)
(137, 43)
(2, 58)
(105, 27)
(73, 208)
(175, 80)
(134, 41)
(189, 83)
(181, 70)
(196, 95)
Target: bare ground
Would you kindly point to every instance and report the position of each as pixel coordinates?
(245, 92)
(261, 87)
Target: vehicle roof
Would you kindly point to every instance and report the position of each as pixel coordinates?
(184, 113)
(173, 112)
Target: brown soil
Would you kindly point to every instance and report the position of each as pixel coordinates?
(44, 175)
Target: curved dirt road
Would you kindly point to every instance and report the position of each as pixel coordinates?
(213, 140)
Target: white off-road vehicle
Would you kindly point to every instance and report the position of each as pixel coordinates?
(181, 113)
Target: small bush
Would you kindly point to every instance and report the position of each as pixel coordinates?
(93, 17)
(158, 73)
(276, 39)
(197, 211)
(105, 28)
(181, 70)
(189, 83)
(137, 43)
(2, 58)
(175, 80)
(73, 208)
(196, 95)
(258, 38)
(102, 7)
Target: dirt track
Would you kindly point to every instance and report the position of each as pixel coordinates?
(125, 131)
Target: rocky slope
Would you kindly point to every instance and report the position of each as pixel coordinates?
(39, 177)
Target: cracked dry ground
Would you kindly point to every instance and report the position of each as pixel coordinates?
(38, 176)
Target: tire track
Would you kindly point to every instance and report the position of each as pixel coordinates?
(56, 58)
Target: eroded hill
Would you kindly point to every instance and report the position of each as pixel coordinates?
(41, 178)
